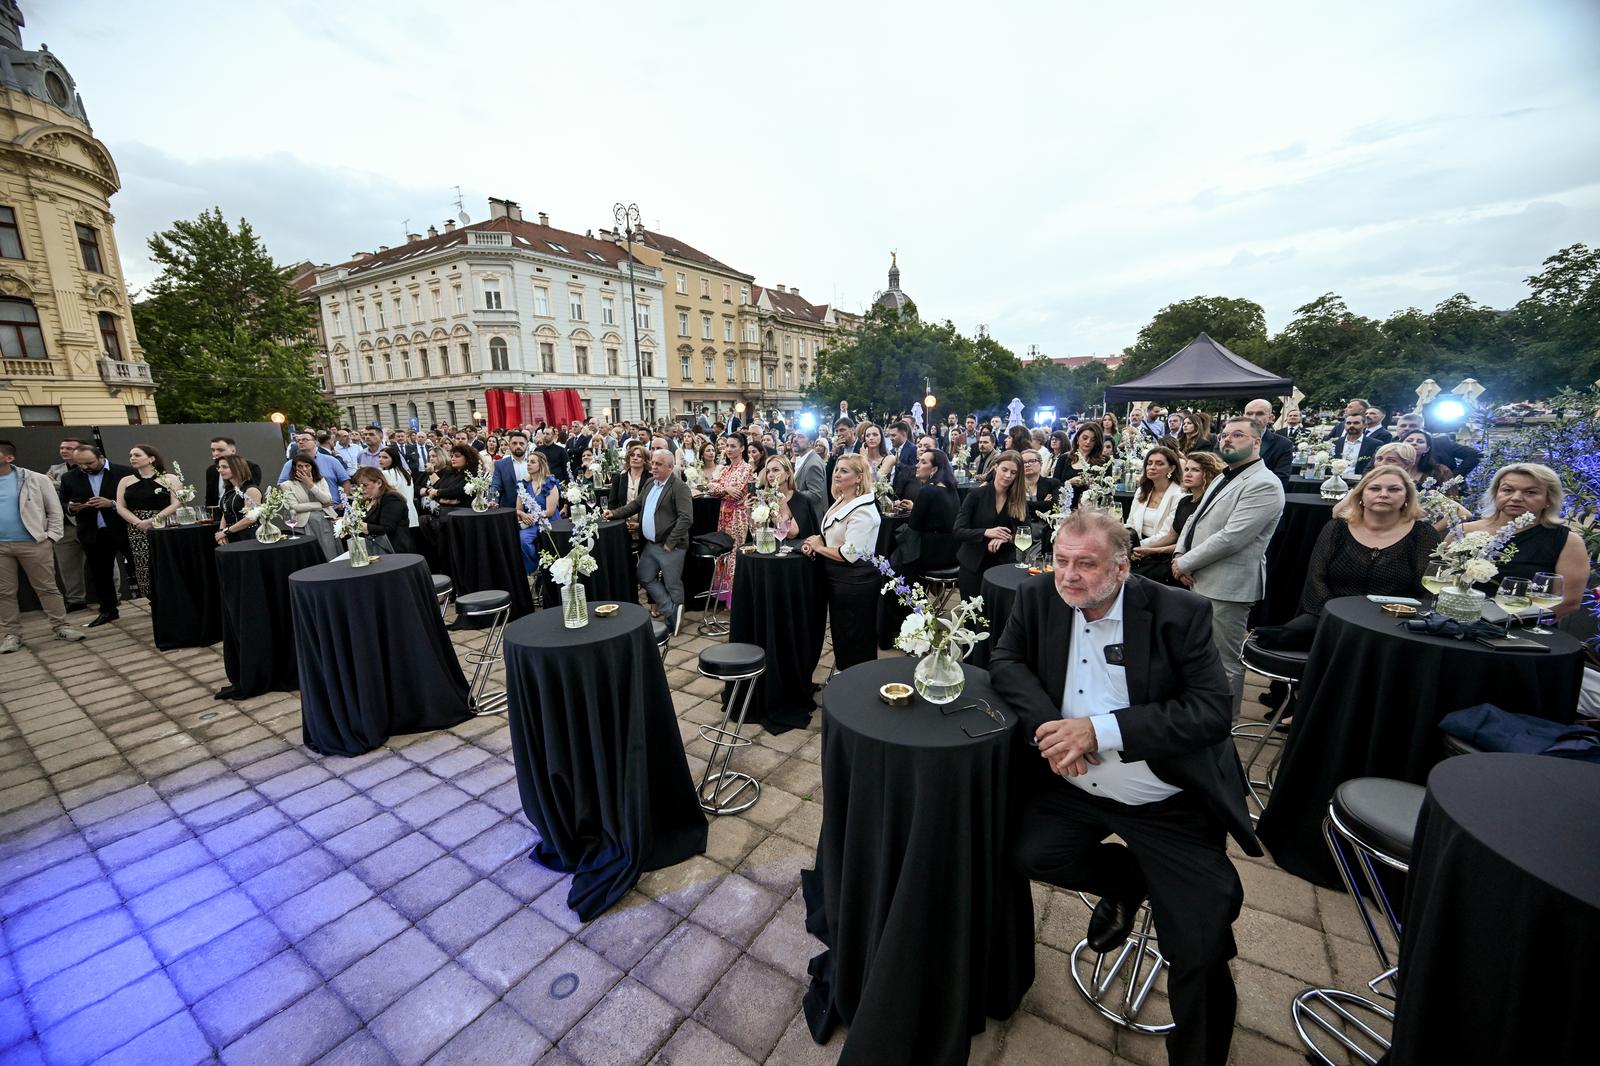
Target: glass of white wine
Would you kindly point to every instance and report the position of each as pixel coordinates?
(1022, 539)
(1545, 591)
(1512, 595)
(1437, 577)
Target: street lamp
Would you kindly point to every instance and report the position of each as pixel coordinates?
(627, 217)
(277, 418)
(930, 399)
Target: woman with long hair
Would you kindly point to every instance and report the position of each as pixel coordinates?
(1088, 442)
(626, 486)
(1157, 495)
(394, 471)
(239, 494)
(796, 518)
(1043, 493)
(1153, 558)
(988, 519)
(848, 536)
(450, 488)
(731, 484)
(927, 540)
(1423, 461)
(1059, 456)
(310, 503)
(545, 491)
(147, 494)
(872, 449)
(387, 513)
(1546, 546)
(1110, 428)
(1195, 434)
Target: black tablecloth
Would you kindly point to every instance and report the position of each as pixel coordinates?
(1372, 698)
(482, 551)
(615, 580)
(1000, 584)
(600, 764)
(1304, 485)
(890, 612)
(697, 572)
(185, 598)
(1502, 916)
(373, 655)
(257, 625)
(779, 606)
(1288, 553)
(928, 929)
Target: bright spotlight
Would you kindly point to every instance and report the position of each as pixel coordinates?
(1447, 414)
(1044, 416)
(808, 422)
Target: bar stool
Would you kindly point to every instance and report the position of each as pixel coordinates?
(1277, 665)
(1374, 818)
(942, 584)
(735, 665)
(1119, 989)
(443, 589)
(662, 632)
(494, 604)
(712, 624)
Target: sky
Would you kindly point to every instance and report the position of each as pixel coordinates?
(1057, 172)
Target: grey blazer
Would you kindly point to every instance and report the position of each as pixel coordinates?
(674, 511)
(1224, 546)
(810, 480)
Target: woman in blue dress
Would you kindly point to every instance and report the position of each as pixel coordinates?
(545, 492)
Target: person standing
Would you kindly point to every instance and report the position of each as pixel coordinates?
(333, 472)
(70, 555)
(371, 446)
(666, 511)
(30, 524)
(904, 474)
(511, 473)
(148, 494)
(849, 535)
(1222, 551)
(811, 473)
(1356, 446)
(89, 489)
(223, 446)
(1277, 454)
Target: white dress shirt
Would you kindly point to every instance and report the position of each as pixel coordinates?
(1350, 450)
(852, 527)
(1094, 689)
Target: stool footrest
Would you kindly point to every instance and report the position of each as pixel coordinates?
(1333, 1015)
(719, 792)
(719, 736)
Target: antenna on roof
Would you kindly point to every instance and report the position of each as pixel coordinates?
(461, 209)
(405, 227)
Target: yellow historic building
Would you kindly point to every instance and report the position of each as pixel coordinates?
(68, 355)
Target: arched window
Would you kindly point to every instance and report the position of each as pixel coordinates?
(498, 359)
(20, 335)
(110, 343)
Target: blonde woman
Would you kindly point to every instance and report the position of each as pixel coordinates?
(1547, 546)
(796, 519)
(850, 534)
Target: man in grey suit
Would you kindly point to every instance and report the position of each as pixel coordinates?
(1222, 552)
(808, 476)
(665, 510)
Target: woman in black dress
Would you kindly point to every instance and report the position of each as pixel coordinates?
(450, 488)
(239, 494)
(927, 540)
(1042, 493)
(148, 494)
(626, 486)
(989, 516)
(1547, 546)
(797, 518)
(1087, 444)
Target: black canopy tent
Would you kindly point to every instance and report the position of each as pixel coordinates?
(1203, 369)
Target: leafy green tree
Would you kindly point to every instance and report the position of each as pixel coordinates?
(1557, 327)
(1322, 347)
(226, 337)
(1239, 325)
(887, 365)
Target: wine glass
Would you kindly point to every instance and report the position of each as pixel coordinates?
(1437, 577)
(1545, 591)
(1512, 595)
(1022, 539)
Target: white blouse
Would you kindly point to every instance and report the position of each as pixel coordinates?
(1150, 522)
(852, 527)
(403, 487)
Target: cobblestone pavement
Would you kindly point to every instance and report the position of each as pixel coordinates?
(180, 880)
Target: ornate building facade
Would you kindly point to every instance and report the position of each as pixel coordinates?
(68, 354)
(783, 332)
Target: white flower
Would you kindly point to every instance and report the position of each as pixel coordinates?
(1339, 466)
(1477, 570)
(253, 513)
(561, 571)
(913, 638)
(760, 514)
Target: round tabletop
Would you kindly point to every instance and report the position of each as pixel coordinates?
(1373, 694)
(1000, 585)
(257, 626)
(185, 595)
(545, 630)
(778, 607)
(856, 707)
(1502, 914)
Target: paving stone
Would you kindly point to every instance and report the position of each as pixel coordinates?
(58, 913)
(683, 886)
(164, 865)
(300, 1034)
(504, 841)
(292, 876)
(427, 1017)
(626, 932)
(562, 989)
(397, 861)
(362, 1049)
(695, 1045)
(179, 894)
(316, 799)
(1283, 945)
(14, 867)
(750, 1006)
(89, 1034)
(224, 840)
(301, 915)
(46, 884)
(90, 981)
(68, 946)
(506, 954)
(419, 894)
(402, 787)
(372, 984)
(331, 949)
(270, 851)
(776, 862)
(1032, 1040)
(259, 993)
(462, 824)
(287, 784)
(224, 810)
(624, 1029)
(201, 924)
(499, 1035)
(785, 945)
(462, 920)
(526, 879)
(737, 909)
(686, 965)
(425, 807)
(485, 776)
(174, 1042)
(112, 829)
(342, 816)
(357, 842)
(235, 952)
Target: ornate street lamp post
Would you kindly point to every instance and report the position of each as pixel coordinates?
(627, 217)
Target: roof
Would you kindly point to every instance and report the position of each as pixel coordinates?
(791, 303)
(1072, 362)
(304, 276)
(1202, 368)
(683, 250)
(526, 236)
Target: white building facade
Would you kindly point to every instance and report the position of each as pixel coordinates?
(421, 331)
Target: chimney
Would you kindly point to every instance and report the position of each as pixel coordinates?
(449, 225)
(780, 288)
(383, 247)
(513, 211)
(433, 231)
(356, 257)
(413, 237)
(544, 219)
(497, 208)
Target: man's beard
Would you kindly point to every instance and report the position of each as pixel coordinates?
(1097, 596)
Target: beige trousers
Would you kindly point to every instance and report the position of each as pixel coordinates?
(37, 559)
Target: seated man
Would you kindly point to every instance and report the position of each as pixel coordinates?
(1142, 752)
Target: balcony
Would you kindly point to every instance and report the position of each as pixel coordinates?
(120, 372)
(500, 316)
(28, 368)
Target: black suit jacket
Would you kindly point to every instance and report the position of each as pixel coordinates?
(391, 518)
(1461, 458)
(807, 518)
(1180, 706)
(214, 483)
(978, 514)
(905, 469)
(929, 541)
(75, 489)
(1277, 455)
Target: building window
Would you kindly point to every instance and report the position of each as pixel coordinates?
(455, 291)
(705, 287)
(769, 377)
(422, 353)
(647, 364)
(727, 330)
(344, 371)
(20, 335)
(788, 376)
(733, 375)
(683, 368)
(547, 357)
(491, 295)
(612, 362)
(394, 415)
(498, 359)
(683, 323)
(377, 416)
(444, 360)
(466, 358)
(450, 411)
(750, 333)
(399, 316)
(89, 245)
(361, 310)
(705, 327)
(31, 415)
(377, 305)
(575, 306)
(433, 419)
(388, 367)
(416, 307)
(744, 294)
(683, 283)
(334, 313)
(649, 410)
(608, 310)
(10, 235)
(750, 372)
(580, 353)
(541, 301)
(438, 304)
(804, 373)
(727, 293)
(785, 344)
(110, 343)
(405, 362)
(643, 317)
(711, 369)
(135, 415)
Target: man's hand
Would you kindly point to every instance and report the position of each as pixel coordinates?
(607, 513)
(1069, 745)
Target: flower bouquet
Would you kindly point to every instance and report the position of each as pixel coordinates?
(1100, 489)
(1437, 503)
(579, 499)
(883, 492)
(941, 641)
(567, 570)
(1472, 558)
(351, 527)
(186, 515)
(763, 513)
(696, 478)
(1334, 488)
(604, 465)
(266, 513)
(478, 488)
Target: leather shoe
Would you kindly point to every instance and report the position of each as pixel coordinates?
(1111, 923)
(103, 618)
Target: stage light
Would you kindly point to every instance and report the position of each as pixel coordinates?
(1044, 416)
(808, 422)
(1447, 414)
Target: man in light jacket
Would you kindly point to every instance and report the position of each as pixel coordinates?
(30, 524)
(1222, 552)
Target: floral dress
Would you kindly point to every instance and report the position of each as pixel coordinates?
(146, 498)
(733, 517)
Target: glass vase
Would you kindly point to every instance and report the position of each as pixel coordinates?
(766, 540)
(480, 502)
(1334, 488)
(1461, 602)
(574, 606)
(185, 516)
(938, 677)
(359, 554)
(267, 531)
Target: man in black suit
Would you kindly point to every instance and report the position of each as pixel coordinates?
(1355, 445)
(220, 446)
(1375, 427)
(1277, 454)
(905, 457)
(1118, 682)
(89, 490)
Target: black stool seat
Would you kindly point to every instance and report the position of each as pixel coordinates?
(1280, 661)
(441, 584)
(949, 573)
(711, 545)
(1381, 813)
(660, 630)
(479, 602)
(730, 660)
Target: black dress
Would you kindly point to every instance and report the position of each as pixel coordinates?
(973, 555)
(1159, 567)
(451, 489)
(234, 503)
(146, 498)
(928, 541)
(1046, 493)
(1538, 549)
(1342, 566)
(390, 518)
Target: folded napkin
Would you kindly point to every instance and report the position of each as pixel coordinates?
(1439, 626)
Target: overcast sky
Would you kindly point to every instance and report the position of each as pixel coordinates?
(1058, 171)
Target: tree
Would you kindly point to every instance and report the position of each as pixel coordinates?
(226, 337)
(1557, 327)
(888, 364)
(1321, 349)
(1239, 325)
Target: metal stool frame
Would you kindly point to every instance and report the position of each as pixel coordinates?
(711, 624)
(941, 589)
(483, 660)
(1140, 950)
(1264, 731)
(720, 787)
(443, 596)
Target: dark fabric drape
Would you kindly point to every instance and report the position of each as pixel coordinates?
(185, 598)
(1502, 915)
(374, 659)
(1288, 555)
(1000, 584)
(928, 929)
(779, 607)
(481, 550)
(1372, 699)
(617, 578)
(258, 637)
(600, 764)
(697, 572)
